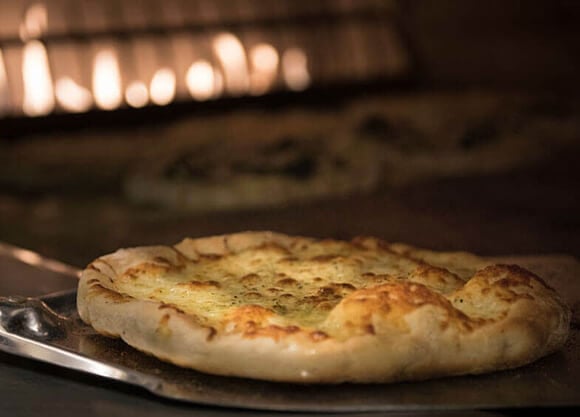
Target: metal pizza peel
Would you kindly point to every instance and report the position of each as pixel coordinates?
(47, 328)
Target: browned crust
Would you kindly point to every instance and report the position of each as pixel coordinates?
(453, 314)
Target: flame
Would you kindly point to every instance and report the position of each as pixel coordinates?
(295, 69)
(71, 96)
(264, 60)
(35, 22)
(232, 56)
(137, 94)
(3, 85)
(163, 86)
(107, 80)
(38, 91)
(200, 80)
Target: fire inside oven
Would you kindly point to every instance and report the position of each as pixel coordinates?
(65, 56)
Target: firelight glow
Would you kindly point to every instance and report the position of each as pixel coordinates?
(264, 62)
(232, 55)
(38, 90)
(34, 23)
(162, 88)
(71, 96)
(137, 94)
(200, 80)
(3, 86)
(295, 69)
(107, 80)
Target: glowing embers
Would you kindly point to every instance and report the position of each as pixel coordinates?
(295, 69)
(38, 89)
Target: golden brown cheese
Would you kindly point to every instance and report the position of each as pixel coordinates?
(288, 286)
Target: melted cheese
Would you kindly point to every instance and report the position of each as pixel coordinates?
(295, 286)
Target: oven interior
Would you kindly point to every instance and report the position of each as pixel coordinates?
(452, 126)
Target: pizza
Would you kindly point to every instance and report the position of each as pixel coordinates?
(277, 307)
(253, 159)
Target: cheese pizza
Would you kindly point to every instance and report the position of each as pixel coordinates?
(275, 307)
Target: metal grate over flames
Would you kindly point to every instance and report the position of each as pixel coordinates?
(65, 56)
